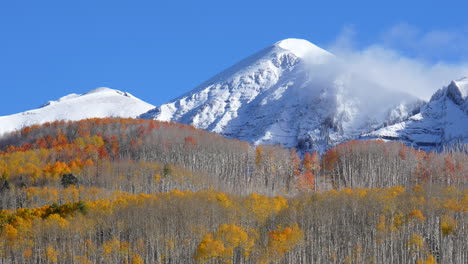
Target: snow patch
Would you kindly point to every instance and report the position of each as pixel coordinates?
(463, 86)
(302, 48)
(102, 90)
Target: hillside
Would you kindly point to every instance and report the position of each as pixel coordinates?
(265, 163)
(141, 191)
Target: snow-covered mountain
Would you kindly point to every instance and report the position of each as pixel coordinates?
(441, 121)
(292, 93)
(100, 102)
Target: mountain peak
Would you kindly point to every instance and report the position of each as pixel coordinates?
(462, 84)
(101, 90)
(107, 90)
(301, 48)
(455, 91)
(97, 103)
(441, 121)
(275, 97)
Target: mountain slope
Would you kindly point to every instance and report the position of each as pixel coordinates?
(443, 120)
(100, 102)
(292, 93)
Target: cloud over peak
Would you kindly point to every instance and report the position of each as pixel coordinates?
(406, 58)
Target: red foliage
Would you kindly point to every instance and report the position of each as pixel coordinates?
(330, 158)
(189, 142)
(296, 161)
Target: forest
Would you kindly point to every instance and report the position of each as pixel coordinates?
(118, 190)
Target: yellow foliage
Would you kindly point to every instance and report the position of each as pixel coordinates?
(157, 177)
(381, 226)
(223, 199)
(217, 196)
(124, 248)
(27, 163)
(110, 247)
(11, 233)
(448, 225)
(71, 194)
(397, 221)
(362, 192)
(178, 193)
(56, 220)
(430, 260)
(417, 214)
(232, 234)
(83, 260)
(18, 227)
(136, 259)
(453, 205)
(89, 163)
(451, 191)
(235, 236)
(76, 166)
(140, 245)
(210, 248)
(89, 246)
(282, 241)
(416, 242)
(27, 253)
(46, 195)
(82, 142)
(52, 254)
(262, 206)
(418, 189)
(224, 242)
(396, 191)
(56, 170)
(169, 244)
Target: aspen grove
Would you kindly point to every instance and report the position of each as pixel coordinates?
(140, 191)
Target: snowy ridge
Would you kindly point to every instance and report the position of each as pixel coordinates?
(290, 94)
(100, 102)
(442, 121)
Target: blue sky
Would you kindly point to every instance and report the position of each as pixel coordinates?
(158, 50)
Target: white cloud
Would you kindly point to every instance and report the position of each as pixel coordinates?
(433, 45)
(387, 63)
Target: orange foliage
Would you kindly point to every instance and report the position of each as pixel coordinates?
(306, 181)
